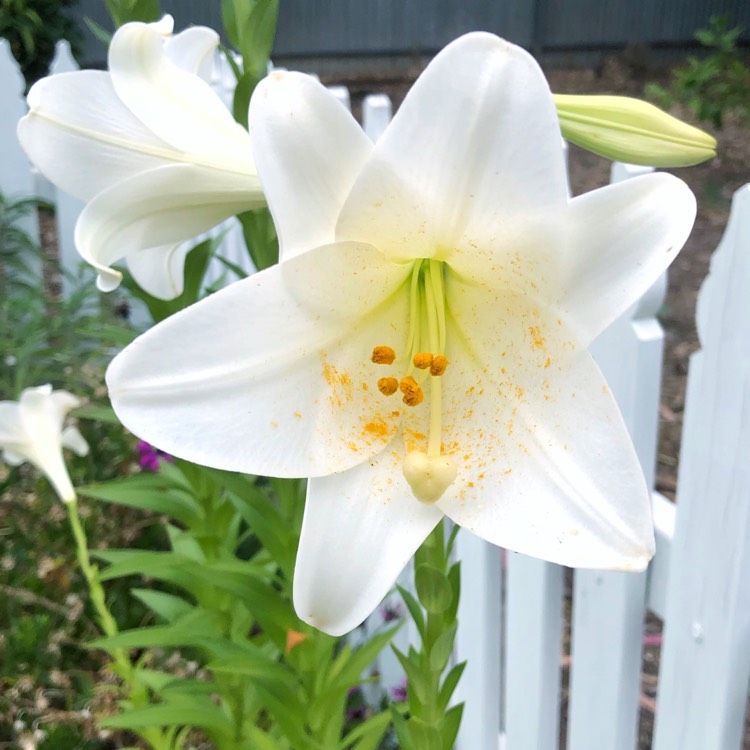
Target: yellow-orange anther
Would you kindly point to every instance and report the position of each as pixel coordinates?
(438, 365)
(413, 394)
(387, 386)
(423, 360)
(383, 355)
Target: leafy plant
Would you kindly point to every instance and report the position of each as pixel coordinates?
(33, 27)
(713, 85)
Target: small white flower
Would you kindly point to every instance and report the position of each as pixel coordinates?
(150, 146)
(446, 262)
(31, 429)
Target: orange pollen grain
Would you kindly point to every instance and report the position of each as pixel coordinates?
(387, 386)
(438, 365)
(413, 394)
(423, 360)
(536, 335)
(378, 427)
(383, 355)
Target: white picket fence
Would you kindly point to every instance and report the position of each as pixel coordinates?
(512, 606)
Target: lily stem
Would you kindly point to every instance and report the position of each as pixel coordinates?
(137, 693)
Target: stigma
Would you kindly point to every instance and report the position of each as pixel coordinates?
(429, 476)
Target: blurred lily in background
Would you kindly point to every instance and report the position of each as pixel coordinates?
(32, 429)
(150, 146)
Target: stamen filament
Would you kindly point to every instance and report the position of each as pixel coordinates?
(437, 289)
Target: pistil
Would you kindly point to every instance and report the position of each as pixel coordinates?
(430, 473)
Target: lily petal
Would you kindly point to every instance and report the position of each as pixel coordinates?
(489, 161)
(177, 106)
(191, 50)
(294, 396)
(618, 240)
(167, 205)
(10, 422)
(73, 440)
(83, 138)
(310, 149)
(160, 271)
(360, 529)
(545, 463)
(41, 415)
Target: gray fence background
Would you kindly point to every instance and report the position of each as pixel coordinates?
(350, 28)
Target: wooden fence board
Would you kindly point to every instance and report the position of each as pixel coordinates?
(705, 661)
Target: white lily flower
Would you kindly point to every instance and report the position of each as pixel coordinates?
(31, 429)
(150, 147)
(452, 239)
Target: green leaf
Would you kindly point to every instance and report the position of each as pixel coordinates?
(229, 19)
(196, 263)
(167, 606)
(449, 685)
(98, 32)
(258, 35)
(449, 726)
(454, 578)
(257, 739)
(424, 736)
(433, 589)
(368, 734)
(418, 681)
(186, 631)
(148, 492)
(415, 610)
(153, 679)
(349, 666)
(97, 412)
(261, 515)
(242, 94)
(145, 10)
(441, 650)
(402, 730)
(204, 716)
(260, 237)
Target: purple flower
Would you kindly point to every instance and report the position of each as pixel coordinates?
(392, 611)
(149, 457)
(399, 692)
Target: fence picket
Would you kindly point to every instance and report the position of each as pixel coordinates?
(608, 608)
(533, 633)
(478, 642)
(16, 180)
(705, 661)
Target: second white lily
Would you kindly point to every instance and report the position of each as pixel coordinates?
(31, 429)
(421, 349)
(150, 146)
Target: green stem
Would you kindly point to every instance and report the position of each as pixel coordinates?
(437, 585)
(136, 692)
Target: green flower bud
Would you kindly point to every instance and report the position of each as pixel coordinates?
(631, 130)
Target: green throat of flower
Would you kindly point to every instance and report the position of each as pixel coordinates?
(423, 364)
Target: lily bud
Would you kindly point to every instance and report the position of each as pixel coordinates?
(631, 130)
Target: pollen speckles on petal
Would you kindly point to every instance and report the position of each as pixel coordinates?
(383, 355)
(537, 340)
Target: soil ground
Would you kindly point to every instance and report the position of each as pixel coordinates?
(713, 184)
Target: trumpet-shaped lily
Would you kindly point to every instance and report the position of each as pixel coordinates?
(421, 349)
(150, 147)
(31, 429)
